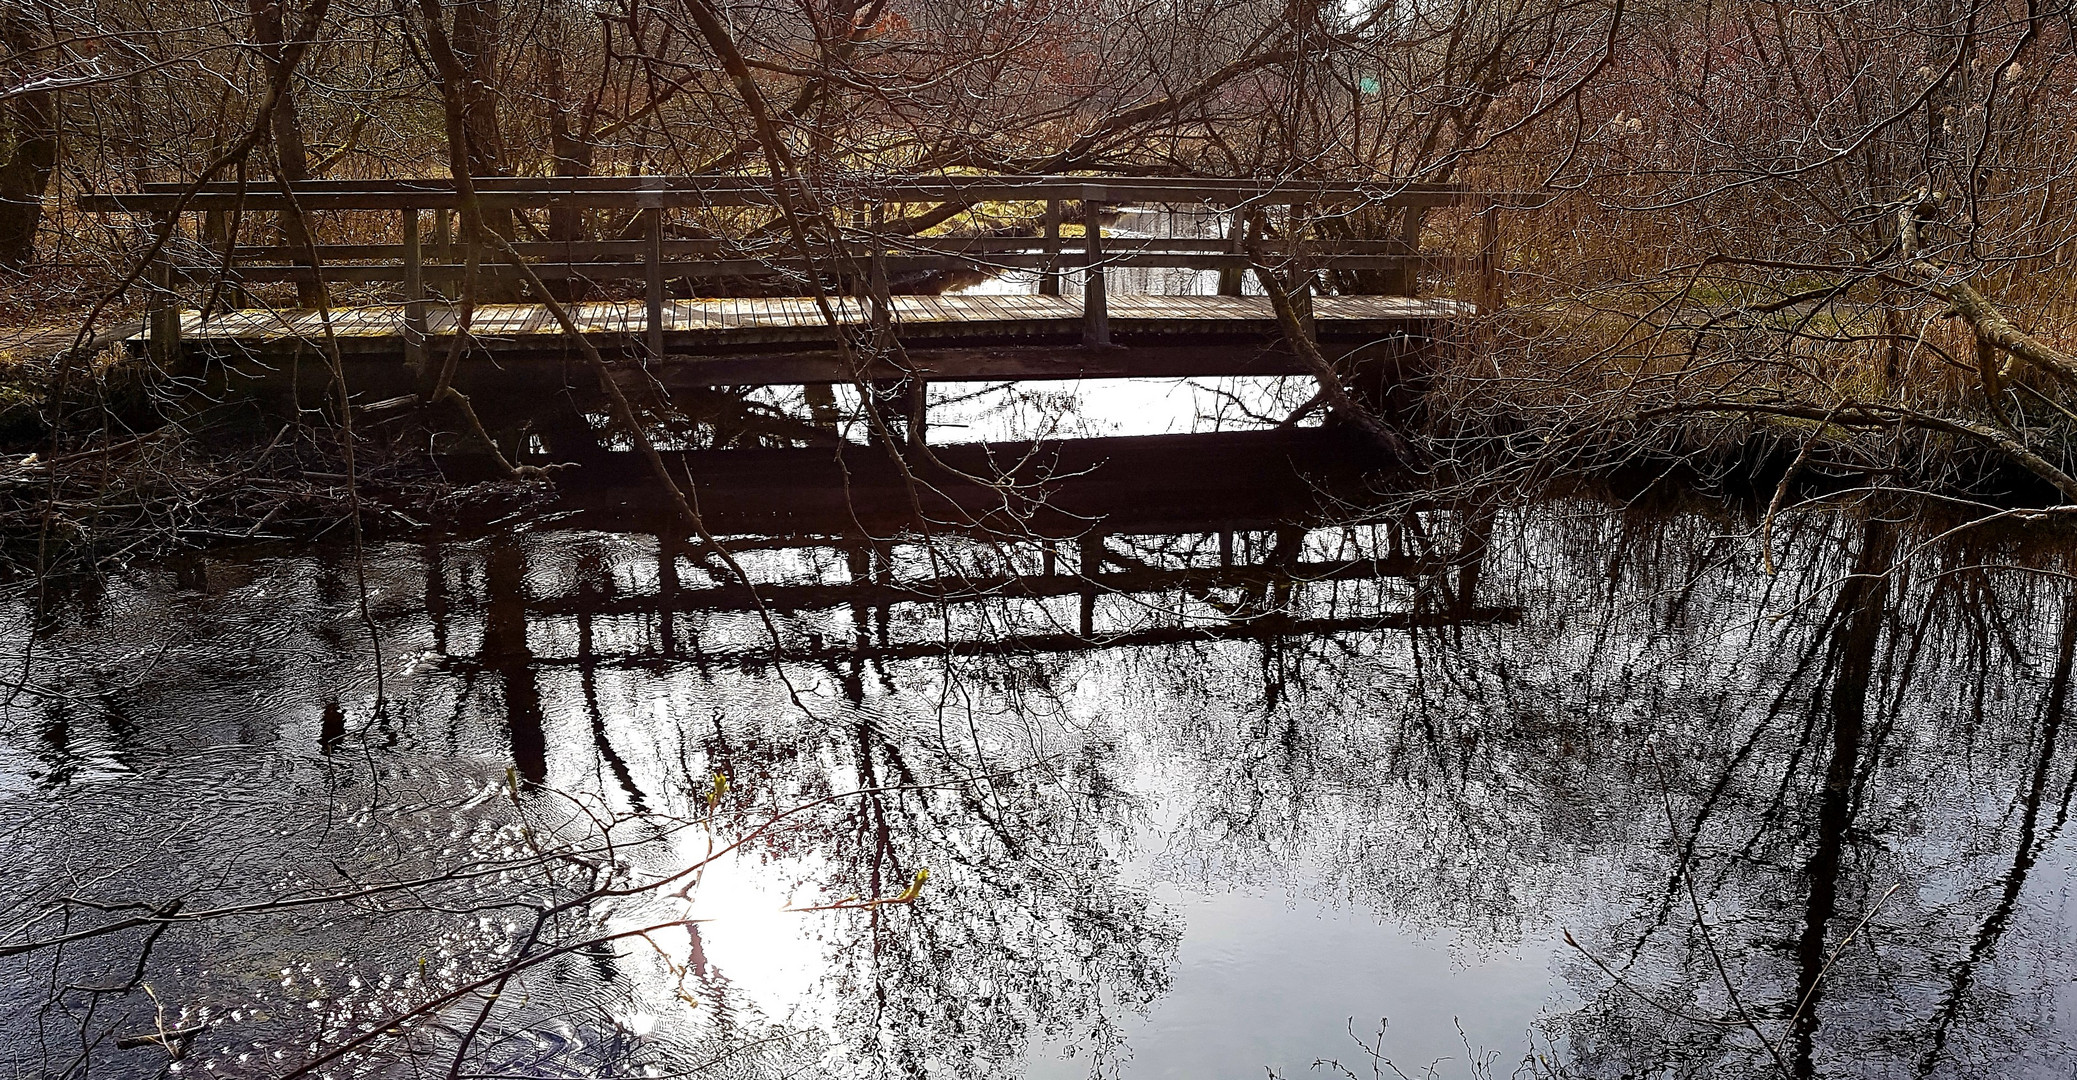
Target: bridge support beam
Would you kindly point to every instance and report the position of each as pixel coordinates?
(1409, 283)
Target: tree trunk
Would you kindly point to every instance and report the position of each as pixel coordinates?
(32, 150)
(291, 154)
(476, 41)
(570, 147)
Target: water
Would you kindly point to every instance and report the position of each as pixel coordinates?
(1137, 222)
(1391, 778)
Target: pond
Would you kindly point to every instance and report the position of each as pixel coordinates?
(1241, 784)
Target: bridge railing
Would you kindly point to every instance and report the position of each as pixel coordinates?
(422, 262)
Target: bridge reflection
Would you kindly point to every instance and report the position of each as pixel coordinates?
(833, 560)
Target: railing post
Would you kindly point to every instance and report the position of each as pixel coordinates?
(1410, 240)
(652, 265)
(1049, 278)
(443, 235)
(1301, 269)
(879, 300)
(1489, 288)
(1230, 278)
(1096, 315)
(162, 318)
(414, 294)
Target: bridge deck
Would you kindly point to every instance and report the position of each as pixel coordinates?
(723, 325)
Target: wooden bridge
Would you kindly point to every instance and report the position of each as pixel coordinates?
(688, 247)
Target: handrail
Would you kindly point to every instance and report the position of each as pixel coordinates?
(579, 251)
(641, 192)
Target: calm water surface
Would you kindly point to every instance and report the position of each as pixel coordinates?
(1559, 787)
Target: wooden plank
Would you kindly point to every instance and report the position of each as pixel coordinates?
(510, 319)
(960, 309)
(1020, 305)
(965, 310)
(1000, 311)
(982, 308)
(1007, 309)
(715, 269)
(738, 322)
(1056, 307)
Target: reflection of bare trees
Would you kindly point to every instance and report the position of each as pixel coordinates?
(1821, 739)
(1779, 814)
(1820, 832)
